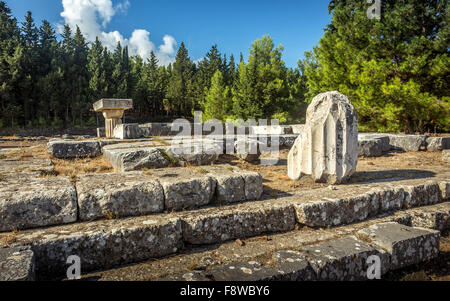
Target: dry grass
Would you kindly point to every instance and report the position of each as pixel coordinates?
(76, 167)
(11, 237)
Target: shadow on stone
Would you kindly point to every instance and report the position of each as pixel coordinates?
(389, 176)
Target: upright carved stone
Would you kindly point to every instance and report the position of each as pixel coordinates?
(112, 110)
(327, 149)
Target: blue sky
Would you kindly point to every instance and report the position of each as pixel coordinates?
(162, 25)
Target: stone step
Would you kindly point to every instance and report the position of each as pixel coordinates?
(55, 200)
(52, 201)
(109, 243)
(339, 253)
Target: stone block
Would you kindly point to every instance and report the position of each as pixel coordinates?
(17, 264)
(63, 149)
(438, 143)
(370, 148)
(293, 266)
(243, 271)
(208, 226)
(185, 188)
(27, 201)
(408, 142)
(406, 245)
(118, 195)
(128, 131)
(344, 259)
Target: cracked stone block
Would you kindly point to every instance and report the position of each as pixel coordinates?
(27, 201)
(207, 226)
(185, 188)
(293, 266)
(438, 143)
(422, 195)
(406, 245)
(195, 154)
(130, 159)
(63, 149)
(243, 271)
(435, 217)
(334, 212)
(370, 148)
(327, 149)
(17, 264)
(235, 184)
(128, 131)
(344, 259)
(118, 195)
(102, 244)
(412, 143)
(383, 140)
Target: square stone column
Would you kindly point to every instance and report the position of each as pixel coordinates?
(113, 110)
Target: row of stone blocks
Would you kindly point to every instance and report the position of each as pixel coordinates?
(343, 259)
(108, 243)
(53, 201)
(346, 258)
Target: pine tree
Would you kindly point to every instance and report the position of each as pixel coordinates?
(217, 102)
(394, 70)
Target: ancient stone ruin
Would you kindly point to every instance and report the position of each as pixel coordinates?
(113, 110)
(145, 204)
(327, 149)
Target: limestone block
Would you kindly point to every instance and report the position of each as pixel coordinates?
(17, 264)
(370, 148)
(438, 143)
(27, 201)
(344, 259)
(118, 195)
(64, 149)
(294, 266)
(408, 142)
(406, 245)
(128, 131)
(327, 149)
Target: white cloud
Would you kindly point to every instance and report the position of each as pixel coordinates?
(92, 16)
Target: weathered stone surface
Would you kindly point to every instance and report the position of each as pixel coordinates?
(293, 266)
(16, 264)
(128, 131)
(435, 217)
(327, 149)
(333, 212)
(102, 244)
(185, 188)
(248, 150)
(189, 276)
(118, 195)
(406, 245)
(214, 225)
(234, 184)
(421, 195)
(195, 154)
(243, 271)
(446, 155)
(28, 165)
(101, 132)
(383, 139)
(438, 143)
(408, 142)
(27, 201)
(370, 148)
(135, 158)
(63, 149)
(157, 129)
(343, 259)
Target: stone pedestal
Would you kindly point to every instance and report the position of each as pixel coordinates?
(113, 110)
